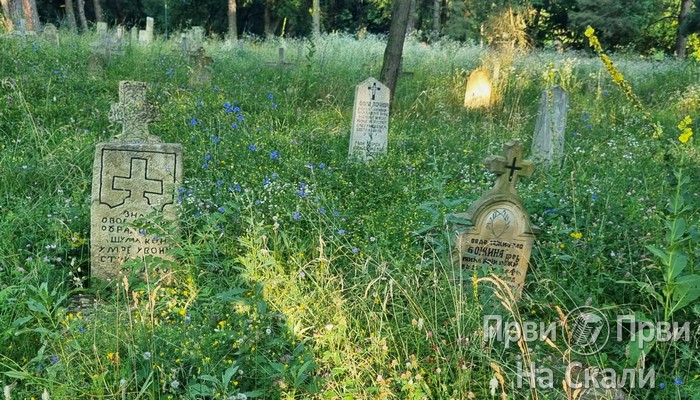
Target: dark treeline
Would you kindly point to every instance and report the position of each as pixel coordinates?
(647, 26)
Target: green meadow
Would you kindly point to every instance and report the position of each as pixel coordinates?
(301, 274)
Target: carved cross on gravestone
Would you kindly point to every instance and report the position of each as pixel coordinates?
(134, 113)
(510, 166)
(139, 181)
(374, 89)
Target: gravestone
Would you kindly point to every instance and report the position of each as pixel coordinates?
(200, 75)
(134, 35)
(281, 59)
(101, 28)
(101, 52)
(548, 142)
(370, 120)
(498, 233)
(50, 34)
(134, 177)
(120, 32)
(478, 93)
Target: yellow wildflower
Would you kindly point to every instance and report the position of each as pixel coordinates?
(576, 235)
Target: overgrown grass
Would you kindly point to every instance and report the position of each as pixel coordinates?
(301, 274)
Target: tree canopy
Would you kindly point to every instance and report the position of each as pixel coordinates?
(641, 25)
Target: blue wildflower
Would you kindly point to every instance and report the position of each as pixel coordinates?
(234, 125)
(269, 96)
(256, 202)
(240, 117)
(296, 215)
(54, 359)
(221, 209)
(252, 147)
(274, 175)
(662, 385)
(198, 214)
(142, 231)
(219, 182)
(274, 105)
(678, 381)
(237, 109)
(341, 232)
(193, 121)
(205, 165)
(309, 165)
(216, 139)
(322, 165)
(355, 250)
(321, 210)
(216, 89)
(237, 188)
(336, 213)
(266, 181)
(207, 157)
(274, 155)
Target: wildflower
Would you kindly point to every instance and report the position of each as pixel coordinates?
(296, 215)
(686, 129)
(321, 210)
(219, 182)
(234, 125)
(274, 105)
(216, 139)
(275, 154)
(341, 232)
(221, 209)
(336, 213)
(54, 359)
(269, 96)
(252, 147)
(146, 355)
(207, 157)
(662, 385)
(309, 165)
(322, 165)
(678, 381)
(240, 117)
(174, 384)
(193, 121)
(266, 182)
(355, 250)
(576, 235)
(205, 165)
(274, 175)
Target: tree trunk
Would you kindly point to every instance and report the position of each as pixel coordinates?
(232, 24)
(81, 14)
(681, 38)
(436, 16)
(317, 18)
(7, 15)
(70, 16)
(394, 45)
(267, 19)
(411, 25)
(98, 11)
(27, 7)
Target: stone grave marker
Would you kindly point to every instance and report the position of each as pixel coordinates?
(134, 35)
(478, 93)
(134, 176)
(200, 75)
(120, 32)
(100, 53)
(281, 59)
(498, 233)
(548, 142)
(101, 28)
(50, 34)
(370, 120)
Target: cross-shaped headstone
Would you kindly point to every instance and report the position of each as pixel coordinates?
(133, 112)
(374, 89)
(137, 183)
(510, 166)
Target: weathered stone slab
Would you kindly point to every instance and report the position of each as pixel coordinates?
(50, 34)
(370, 120)
(548, 142)
(478, 93)
(134, 179)
(498, 233)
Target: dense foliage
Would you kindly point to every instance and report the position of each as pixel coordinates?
(647, 26)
